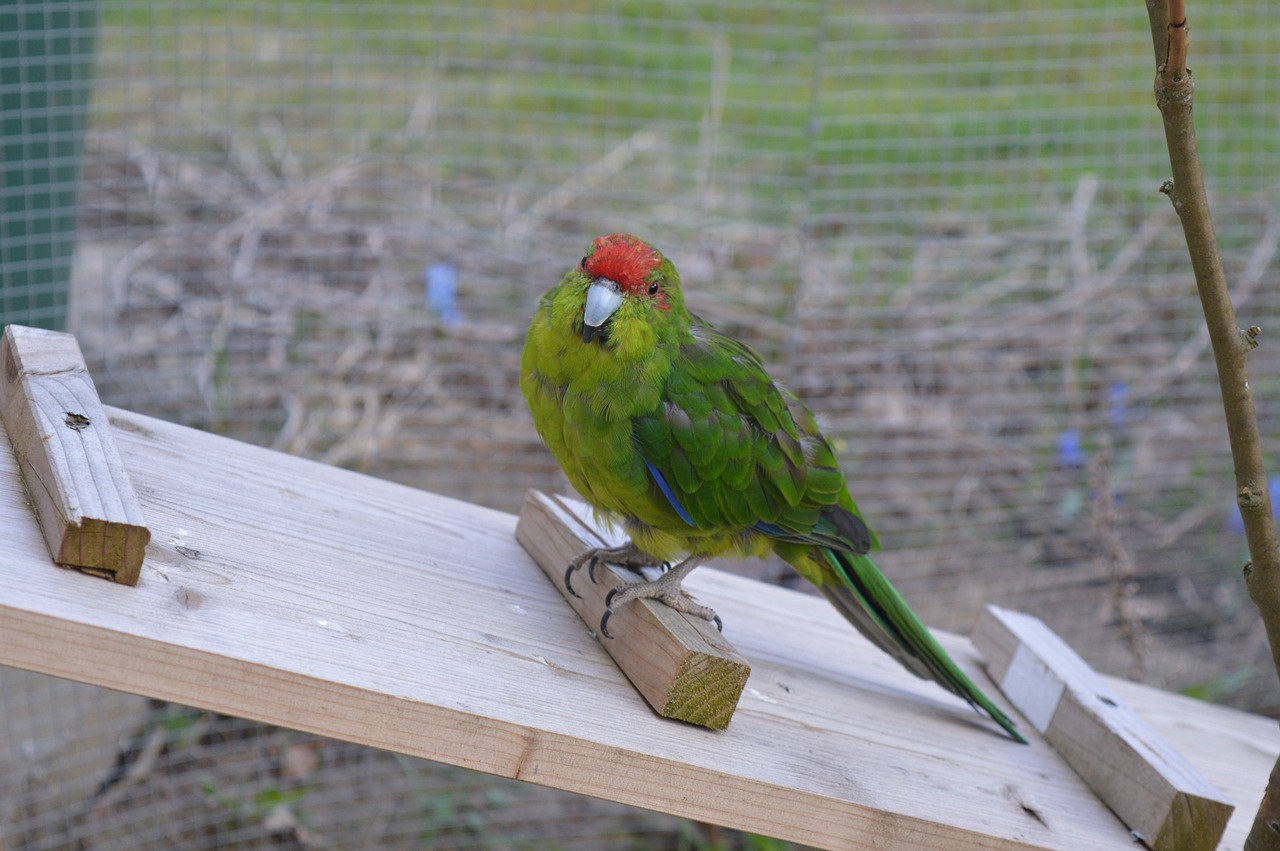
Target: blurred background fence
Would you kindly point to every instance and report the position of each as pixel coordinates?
(323, 226)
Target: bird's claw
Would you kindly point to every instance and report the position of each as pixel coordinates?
(608, 613)
(576, 564)
(687, 608)
(665, 589)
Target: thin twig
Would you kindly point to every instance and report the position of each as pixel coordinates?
(1105, 520)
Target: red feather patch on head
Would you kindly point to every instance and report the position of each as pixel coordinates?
(624, 259)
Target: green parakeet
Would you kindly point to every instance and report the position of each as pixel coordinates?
(677, 432)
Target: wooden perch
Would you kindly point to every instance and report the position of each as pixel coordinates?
(83, 500)
(1152, 788)
(681, 664)
(294, 593)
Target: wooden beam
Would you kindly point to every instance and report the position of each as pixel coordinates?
(82, 496)
(1151, 786)
(290, 592)
(681, 664)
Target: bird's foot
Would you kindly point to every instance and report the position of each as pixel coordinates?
(666, 589)
(627, 555)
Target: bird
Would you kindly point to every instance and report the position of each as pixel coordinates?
(676, 432)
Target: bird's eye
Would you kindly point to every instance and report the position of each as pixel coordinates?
(583, 264)
(653, 288)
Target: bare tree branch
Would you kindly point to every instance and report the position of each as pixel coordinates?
(1231, 345)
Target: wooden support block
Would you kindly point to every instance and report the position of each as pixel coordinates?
(84, 502)
(681, 664)
(1154, 790)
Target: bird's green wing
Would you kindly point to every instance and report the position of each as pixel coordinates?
(732, 451)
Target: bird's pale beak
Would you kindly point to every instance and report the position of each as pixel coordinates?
(603, 299)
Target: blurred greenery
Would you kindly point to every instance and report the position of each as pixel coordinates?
(813, 100)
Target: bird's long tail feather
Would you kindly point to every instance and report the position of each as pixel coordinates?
(869, 602)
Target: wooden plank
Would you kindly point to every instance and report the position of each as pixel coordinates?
(451, 645)
(680, 664)
(82, 495)
(1146, 781)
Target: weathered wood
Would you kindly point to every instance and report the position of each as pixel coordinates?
(85, 503)
(1141, 777)
(286, 591)
(681, 664)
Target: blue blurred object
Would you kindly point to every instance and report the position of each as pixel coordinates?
(1118, 408)
(442, 292)
(1070, 452)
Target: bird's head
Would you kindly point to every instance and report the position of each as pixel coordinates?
(629, 286)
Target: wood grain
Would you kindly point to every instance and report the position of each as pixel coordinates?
(298, 594)
(82, 495)
(1153, 788)
(680, 664)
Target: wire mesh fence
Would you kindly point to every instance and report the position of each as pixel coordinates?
(322, 227)
(85, 767)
